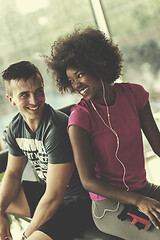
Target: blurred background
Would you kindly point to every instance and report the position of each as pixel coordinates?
(28, 29)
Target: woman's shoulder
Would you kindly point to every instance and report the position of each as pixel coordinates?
(82, 106)
(134, 92)
(128, 86)
(80, 115)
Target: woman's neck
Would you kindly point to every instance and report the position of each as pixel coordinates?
(108, 95)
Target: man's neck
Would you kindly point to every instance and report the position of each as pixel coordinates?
(32, 125)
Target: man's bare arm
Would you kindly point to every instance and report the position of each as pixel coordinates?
(10, 187)
(58, 177)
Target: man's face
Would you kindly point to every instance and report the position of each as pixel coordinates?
(29, 98)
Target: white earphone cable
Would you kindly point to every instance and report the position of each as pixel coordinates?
(117, 148)
(105, 210)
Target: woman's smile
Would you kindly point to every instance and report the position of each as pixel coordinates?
(88, 86)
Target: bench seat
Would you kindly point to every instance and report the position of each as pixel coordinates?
(94, 234)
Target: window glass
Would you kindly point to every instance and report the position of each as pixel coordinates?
(134, 26)
(28, 29)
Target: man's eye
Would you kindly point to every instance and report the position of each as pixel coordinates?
(24, 95)
(41, 91)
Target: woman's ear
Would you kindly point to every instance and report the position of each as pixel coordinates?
(10, 99)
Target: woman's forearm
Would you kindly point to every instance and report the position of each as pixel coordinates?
(106, 190)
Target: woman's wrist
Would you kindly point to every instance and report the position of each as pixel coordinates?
(137, 199)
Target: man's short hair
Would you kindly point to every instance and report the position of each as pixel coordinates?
(16, 71)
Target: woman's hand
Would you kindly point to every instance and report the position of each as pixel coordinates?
(151, 208)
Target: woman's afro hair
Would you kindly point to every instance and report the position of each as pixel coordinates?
(88, 50)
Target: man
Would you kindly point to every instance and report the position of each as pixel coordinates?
(58, 205)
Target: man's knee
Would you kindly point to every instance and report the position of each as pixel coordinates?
(19, 205)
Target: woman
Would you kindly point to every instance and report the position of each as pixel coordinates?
(105, 132)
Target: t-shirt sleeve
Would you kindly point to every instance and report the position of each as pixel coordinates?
(12, 145)
(141, 96)
(80, 117)
(58, 146)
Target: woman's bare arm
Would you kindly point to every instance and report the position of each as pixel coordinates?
(83, 155)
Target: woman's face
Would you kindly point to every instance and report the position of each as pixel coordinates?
(89, 87)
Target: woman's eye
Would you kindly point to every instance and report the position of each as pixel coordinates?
(80, 75)
(71, 81)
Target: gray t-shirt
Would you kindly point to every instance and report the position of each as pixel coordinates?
(49, 143)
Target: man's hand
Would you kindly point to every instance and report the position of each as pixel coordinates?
(5, 228)
(151, 208)
(23, 237)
